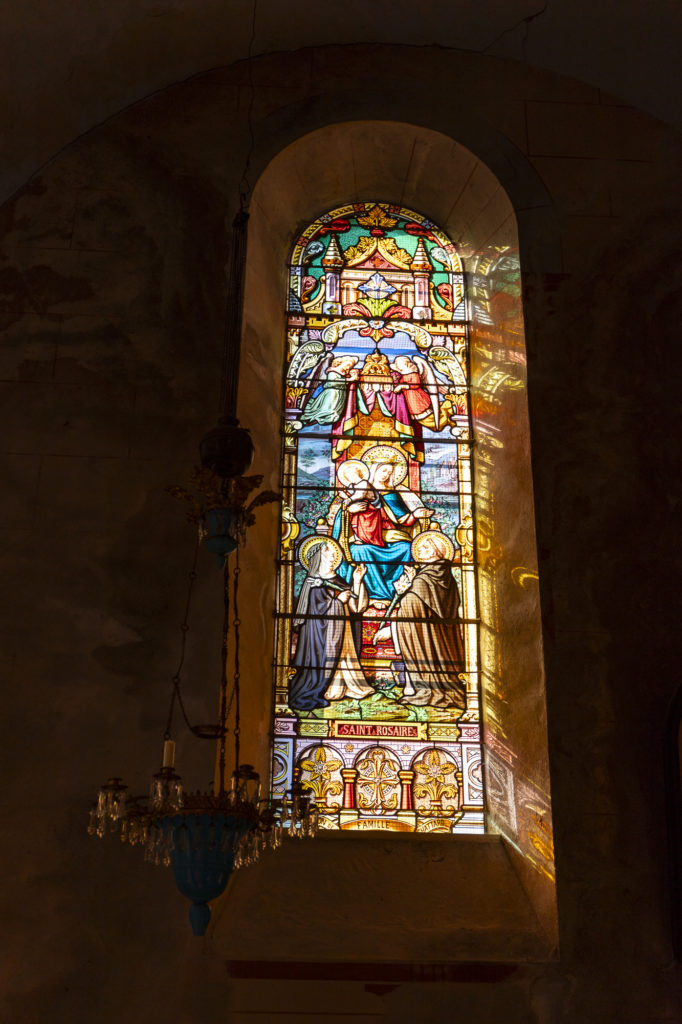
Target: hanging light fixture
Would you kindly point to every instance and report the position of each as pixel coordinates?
(206, 836)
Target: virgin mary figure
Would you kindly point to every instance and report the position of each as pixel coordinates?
(327, 618)
(382, 521)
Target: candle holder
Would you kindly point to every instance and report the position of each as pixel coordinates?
(204, 837)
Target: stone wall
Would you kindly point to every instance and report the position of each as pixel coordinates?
(112, 303)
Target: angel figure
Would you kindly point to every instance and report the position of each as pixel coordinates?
(326, 407)
(414, 375)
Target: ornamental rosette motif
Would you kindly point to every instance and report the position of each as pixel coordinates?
(378, 784)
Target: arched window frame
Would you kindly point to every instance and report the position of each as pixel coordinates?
(515, 863)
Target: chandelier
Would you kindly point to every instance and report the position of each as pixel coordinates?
(206, 836)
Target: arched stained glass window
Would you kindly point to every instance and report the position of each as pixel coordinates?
(376, 659)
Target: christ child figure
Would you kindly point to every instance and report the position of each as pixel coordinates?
(358, 503)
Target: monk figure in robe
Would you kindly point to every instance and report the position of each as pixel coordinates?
(424, 629)
(329, 625)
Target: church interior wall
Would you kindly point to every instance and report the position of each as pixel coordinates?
(113, 292)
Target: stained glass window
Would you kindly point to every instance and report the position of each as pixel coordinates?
(376, 656)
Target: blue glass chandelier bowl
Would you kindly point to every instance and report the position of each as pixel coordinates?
(202, 852)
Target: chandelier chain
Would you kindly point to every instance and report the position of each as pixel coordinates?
(237, 695)
(245, 183)
(224, 707)
(184, 629)
(234, 299)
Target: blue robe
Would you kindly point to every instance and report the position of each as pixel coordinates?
(384, 564)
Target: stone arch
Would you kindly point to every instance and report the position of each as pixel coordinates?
(365, 160)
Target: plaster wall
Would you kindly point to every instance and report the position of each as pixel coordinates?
(112, 288)
(65, 66)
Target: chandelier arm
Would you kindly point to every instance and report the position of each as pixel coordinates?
(178, 694)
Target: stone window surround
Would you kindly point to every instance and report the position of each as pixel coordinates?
(478, 898)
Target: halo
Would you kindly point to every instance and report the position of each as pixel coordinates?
(341, 471)
(444, 542)
(385, 453)
(310, 542)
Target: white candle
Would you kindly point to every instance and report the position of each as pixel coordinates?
(168, 753)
